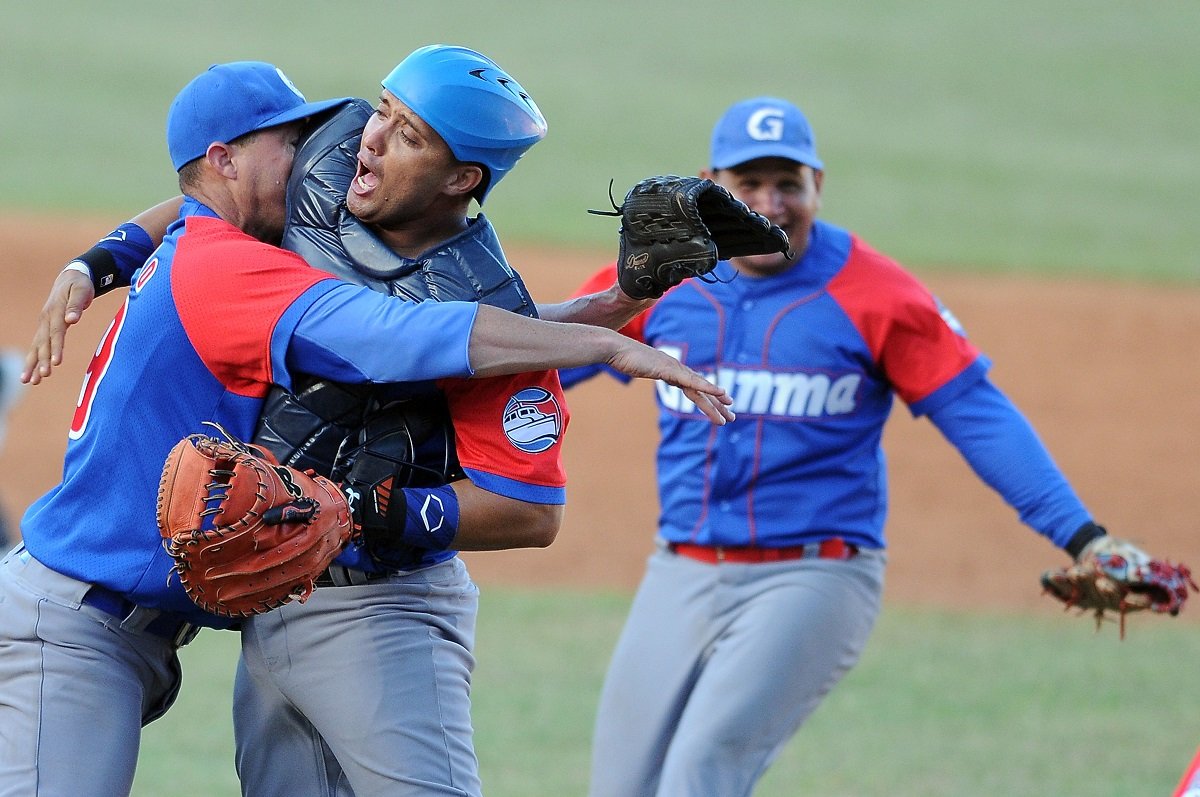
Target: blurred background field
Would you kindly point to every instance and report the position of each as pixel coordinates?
(995, 134)
(1049, 138)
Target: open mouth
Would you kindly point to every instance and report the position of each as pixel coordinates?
(365, 180)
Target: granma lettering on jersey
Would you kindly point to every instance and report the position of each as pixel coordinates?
(781, 394)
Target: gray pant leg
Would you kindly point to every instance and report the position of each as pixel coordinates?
(789, 632)
(718, 666)
(292, 759)
(75, 689)
(652, 671)
(381, 673)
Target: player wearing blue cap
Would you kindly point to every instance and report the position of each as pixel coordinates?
(770, 562)
(90, 620)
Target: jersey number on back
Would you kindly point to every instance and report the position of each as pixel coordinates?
(95, 372)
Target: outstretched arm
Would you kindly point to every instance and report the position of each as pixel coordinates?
(594, 303)
(1002, 448)
(611, 308)
(506, 343)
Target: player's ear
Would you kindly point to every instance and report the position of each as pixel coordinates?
(220, 156)
(464, 179)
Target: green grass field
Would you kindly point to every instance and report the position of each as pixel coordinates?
(1056, 136)
(943, 704)
(1053, 137)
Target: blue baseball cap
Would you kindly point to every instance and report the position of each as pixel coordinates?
(763, 127)
(230, 100)
(478, 109)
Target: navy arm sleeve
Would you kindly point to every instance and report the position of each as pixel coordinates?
(116, 256)
(1003, 449)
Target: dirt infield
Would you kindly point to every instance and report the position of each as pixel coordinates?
(1105, 371)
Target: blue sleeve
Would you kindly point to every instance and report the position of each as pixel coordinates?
(354, 334)
(130, 247)
(570, 377)
(1002, 447)
(115, 257)
(516, 489)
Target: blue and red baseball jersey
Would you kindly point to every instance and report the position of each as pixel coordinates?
(812, 358)
(508, 434)
(211, 320)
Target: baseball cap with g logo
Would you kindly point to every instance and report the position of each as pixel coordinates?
(763, 127)
(230, 100)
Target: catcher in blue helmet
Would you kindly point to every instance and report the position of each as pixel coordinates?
(381, 196)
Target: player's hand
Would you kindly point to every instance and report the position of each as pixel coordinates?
(641, 361)
(71, 294)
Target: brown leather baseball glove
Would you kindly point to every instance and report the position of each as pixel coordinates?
(247, 535)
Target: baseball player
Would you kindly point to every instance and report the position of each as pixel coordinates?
(408, 601)
(90, 621)
(771, 548)
(10, 391)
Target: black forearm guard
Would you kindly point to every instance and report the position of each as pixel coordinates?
(116, 256)
(102, 267)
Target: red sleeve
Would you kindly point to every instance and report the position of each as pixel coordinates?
(600, 281)
(231, 291)
(510, 427)
(916, 340)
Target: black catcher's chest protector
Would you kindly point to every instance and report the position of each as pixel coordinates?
(308, 428)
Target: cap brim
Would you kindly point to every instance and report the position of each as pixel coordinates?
(303, 111)
(771, 149)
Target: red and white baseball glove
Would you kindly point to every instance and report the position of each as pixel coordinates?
(1114, 575)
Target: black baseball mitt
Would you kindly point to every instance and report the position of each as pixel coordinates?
(676, 227)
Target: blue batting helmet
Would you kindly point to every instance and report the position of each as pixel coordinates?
(480, 111)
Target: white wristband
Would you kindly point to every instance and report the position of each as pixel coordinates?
(80, 266)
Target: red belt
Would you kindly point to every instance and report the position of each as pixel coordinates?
(835, 548)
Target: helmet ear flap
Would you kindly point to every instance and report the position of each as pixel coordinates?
(480, 111)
